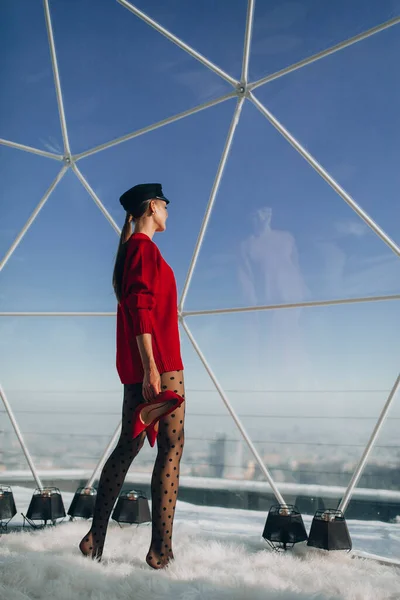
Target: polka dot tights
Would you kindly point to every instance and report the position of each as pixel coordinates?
(165, 478)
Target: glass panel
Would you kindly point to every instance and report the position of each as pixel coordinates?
(351, 125)
(68, 402)
(215, 29)
(68, 415)
(280, 234)
(28, 104)
(376, 500)
(65, 260)
(308, 385)
(287, 32)
(12, 457)
(25, 178)
(184, 156)
(213, 444)
(111, 86)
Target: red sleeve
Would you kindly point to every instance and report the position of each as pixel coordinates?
(140, 286)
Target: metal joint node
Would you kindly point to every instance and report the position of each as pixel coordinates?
(67, 160)
(241, 90)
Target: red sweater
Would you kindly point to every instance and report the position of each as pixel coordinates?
(149, 304)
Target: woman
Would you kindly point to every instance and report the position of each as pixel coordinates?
(148, 362)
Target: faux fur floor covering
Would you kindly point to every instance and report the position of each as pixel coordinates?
(47, 565)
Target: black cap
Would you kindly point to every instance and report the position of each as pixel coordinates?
(132, 198)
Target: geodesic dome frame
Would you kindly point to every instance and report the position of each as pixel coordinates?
(243, 89)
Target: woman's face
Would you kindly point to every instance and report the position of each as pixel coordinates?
(161, 215)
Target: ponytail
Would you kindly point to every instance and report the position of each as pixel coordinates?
(122, 247)
(120, 258)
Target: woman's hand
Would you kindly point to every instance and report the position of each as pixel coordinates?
(151, 383)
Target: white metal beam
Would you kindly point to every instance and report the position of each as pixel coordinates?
(247, 41)
(154, 126)
(213, 195)
(327, 52)
(246, 309)
(214, 311)
(104, 456)
(173, 38)
(97, 201)
(371, 442)
(56, 314)
(20, 437)
(56, 74)
(4, 142)
(325, 175)
(233, 414)
(32, 218)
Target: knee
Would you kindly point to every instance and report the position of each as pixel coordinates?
(133, 446)
(172, 442)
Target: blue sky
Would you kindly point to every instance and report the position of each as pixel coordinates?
(119, 75)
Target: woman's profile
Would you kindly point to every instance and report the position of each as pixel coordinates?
(150, 367)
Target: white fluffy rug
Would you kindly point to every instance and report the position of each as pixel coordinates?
(47, 565)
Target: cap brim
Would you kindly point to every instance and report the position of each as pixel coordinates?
(163, 198)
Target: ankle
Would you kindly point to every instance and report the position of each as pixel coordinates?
(91, 547)
(156, 561)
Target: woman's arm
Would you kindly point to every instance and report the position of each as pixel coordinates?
(141, 284)
(152, 381)
(146, 350)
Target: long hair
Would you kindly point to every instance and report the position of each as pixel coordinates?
(122, 246)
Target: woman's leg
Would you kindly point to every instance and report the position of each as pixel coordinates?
(165, 479)
(113, 474)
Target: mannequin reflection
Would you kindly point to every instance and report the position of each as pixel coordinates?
(269, 273)
(273, 252)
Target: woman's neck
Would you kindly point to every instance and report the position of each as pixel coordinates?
(149, 231)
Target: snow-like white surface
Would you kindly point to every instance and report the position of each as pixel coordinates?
(219, 555)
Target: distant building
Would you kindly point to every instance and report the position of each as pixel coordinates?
(226, 458)
(234, 460)
(217, 455)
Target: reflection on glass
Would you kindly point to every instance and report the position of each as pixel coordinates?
(346, 115)
(304, 243)
(269, 272)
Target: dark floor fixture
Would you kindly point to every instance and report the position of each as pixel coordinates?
(83, 503)
(46, 505)
(329, 531)
(284, 527)
(7, 507)
(132, 507)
